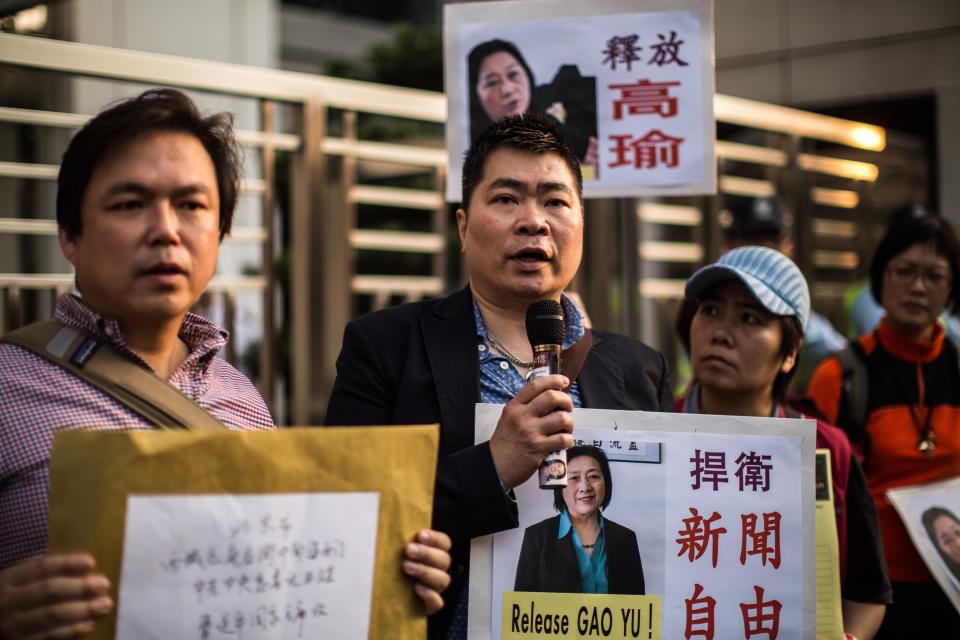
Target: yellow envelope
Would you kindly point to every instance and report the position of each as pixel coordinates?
(93, 472)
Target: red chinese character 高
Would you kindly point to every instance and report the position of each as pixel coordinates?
(645, 97)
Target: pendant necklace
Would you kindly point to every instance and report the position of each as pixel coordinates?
(927, 443)
(928, 439)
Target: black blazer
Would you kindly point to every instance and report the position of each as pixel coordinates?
(549, 564)
(418, 364)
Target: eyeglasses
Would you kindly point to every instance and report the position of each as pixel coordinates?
(905, 276)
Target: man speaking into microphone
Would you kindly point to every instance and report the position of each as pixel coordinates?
(521, 233)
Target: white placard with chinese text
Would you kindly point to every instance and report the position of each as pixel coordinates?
(213, 567)
(630, 81)
(931, 515)
(724, 520)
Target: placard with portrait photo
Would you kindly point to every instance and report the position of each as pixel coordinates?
(712, 515)
(629, 82)
(931, 515)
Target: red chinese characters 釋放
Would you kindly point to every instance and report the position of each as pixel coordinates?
(625, 50)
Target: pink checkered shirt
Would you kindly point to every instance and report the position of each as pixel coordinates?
(37, 397)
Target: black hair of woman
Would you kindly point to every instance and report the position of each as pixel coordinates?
(479, 120)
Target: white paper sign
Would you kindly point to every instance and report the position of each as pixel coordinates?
(630, 82)
(726, 503)
(931, 514)
(278, 566)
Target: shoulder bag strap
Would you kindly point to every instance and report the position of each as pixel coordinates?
(572, 359)
(101, 366)
(854, 390)
(854, 383)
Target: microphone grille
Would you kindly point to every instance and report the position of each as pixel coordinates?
(545, 324)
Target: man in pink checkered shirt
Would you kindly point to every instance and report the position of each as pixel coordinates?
(146, 193)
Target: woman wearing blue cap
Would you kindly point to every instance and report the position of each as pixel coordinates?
(742, 322)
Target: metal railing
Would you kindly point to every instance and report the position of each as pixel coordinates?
(323, 238)
(637, 256)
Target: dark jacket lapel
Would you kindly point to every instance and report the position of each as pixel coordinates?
(450, 339)
(560, 561)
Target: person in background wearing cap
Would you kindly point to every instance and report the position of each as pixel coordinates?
(743, 327)
(905, 421)
(763, 222)
(862, 308)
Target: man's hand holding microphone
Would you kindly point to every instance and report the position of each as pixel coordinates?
(538, 420)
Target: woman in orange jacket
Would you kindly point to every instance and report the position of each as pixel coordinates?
(896, 392)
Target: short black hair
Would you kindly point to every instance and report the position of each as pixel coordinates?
(597, 454)
(479, 120)
(151, 111)
(928, 517)
(790, 341)
(530, 132)
(905, 232)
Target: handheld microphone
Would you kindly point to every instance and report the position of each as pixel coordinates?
(545, 330)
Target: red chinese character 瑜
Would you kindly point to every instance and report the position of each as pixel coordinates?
(652, 150)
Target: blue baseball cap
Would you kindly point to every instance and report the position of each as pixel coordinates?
(773, 279)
